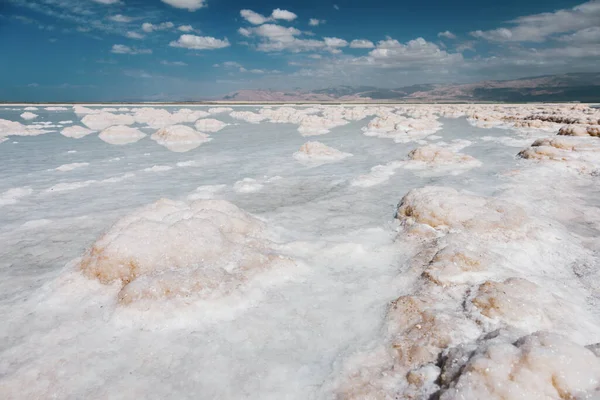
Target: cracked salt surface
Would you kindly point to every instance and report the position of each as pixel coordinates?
(266, 278)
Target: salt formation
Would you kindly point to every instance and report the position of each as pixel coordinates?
(172, 249)
(121, 135)
(248, 116)
(179, 138)
(12, 196)
(443, 160)
(377, 175)
(538, 366)
(81, 110)
(400, 128)
(76, 131)
(104, 120)
(582, 153)
(30, 109)
(71, 167)
(580, 130)
(456, 337)
(12, 128)
(316, 153)
(313, 125)
(210, 125)
(219, 110)
(29, 115)
(56, 109)
(161, 118)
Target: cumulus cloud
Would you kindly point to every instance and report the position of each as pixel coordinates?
(283, 14)
(120, 18)
(200, 42)
(447, 35)
(186, 28)
(417, 53)
(588, 35)
(538, 27)
(279, 38)
(190, 5)
(149, 28)
(122, 49)
(362, 44)
(134, 35)
(315, 22)
(258, 19)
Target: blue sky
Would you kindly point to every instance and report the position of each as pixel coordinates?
(111, 50)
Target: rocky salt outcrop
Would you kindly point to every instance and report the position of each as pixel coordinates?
(173, 249)
(179, 138)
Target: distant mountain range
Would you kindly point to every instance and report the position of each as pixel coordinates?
(584, 87)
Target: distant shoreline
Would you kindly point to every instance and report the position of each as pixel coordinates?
(289, 103)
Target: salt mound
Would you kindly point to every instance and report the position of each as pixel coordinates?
(71, 167)
(578, 150)
(179, 138)
(160, 118)
(56, 109)
(8, 128)
(316, 153)
(400, 128)
(81, 110)
(205, 192)
(30, 109)
(75, 131)
(120, 135)
(219, 110)
(206, 248)
(104, 120)
(538, 366)
(12, 196)
(210, 125)
(443, 209)
(29, 115)
(580, 130)
(312, 125)
(248, 116)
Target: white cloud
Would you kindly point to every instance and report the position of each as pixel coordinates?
(120, 18)
(186, 28)
(538, 27)
(173, 63)
(335, 42)
(315, 22)
(283, 14)
(362, 44)
(149, 28)
(258, 19)
(190, 5)
(390, 53)
(134, 35)
(200, 42)
(107, 1)
(335, 6)
(278, 38)
(588, 35)
(447, 35)
(122, 49)
(254, 17)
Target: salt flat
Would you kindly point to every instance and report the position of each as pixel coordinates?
(210, 252)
